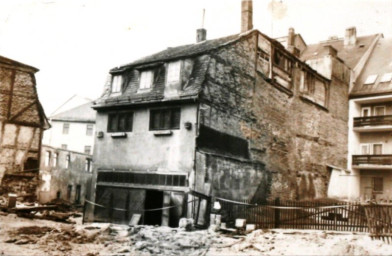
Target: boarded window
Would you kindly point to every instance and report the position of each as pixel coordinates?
(215, 141)
(89, 129)
(117, 83)
(65, 128)
(164, 119)
(120, 122)
(146, 79)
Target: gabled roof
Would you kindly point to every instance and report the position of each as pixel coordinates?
(349, 54)
(172, 53)
(380, 63)
(82, 113)
(7, 61)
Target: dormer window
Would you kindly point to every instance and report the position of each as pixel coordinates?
(146, 79)
(116, 83)
(371, 79)
(386, 78)
(173, 72)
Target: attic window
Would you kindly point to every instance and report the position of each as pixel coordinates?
(386, 77)
(146, 78)
(371, 79)
(117, 83)
(173, 72)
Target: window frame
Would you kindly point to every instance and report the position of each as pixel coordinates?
(367, 148)
(116, 84)
(382, 148)
(89, 129)
(162, 111)
(128, 116)
(55, 159)
(378, 190)
(88, 165)
(379, 106)
(48, 156)
(89, 151)
(178, 68)
(66, 128)
(368, 109)
(145, 85)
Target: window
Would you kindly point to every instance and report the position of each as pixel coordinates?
(379, 111)
(120, 122)
(365, 149)
(69, 192)
(77, 194)
(366, 112)
(54, 162)
(377, 184)
(386, 78)
(146, 79)
(377, 149)
(116, 83)
(173, 72)
(164, 119)
(371, 79)
(307, 82)
(89, 129)
(87, 149)
(47, 158)
(88, 165)
(281, 61)
(65, 128)
(64, 146)
(67, 161)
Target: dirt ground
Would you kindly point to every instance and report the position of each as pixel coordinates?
(21, 236)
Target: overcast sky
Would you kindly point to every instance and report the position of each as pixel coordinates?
(74, 43)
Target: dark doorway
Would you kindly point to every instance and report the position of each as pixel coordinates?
(154, 200)
(31, 164)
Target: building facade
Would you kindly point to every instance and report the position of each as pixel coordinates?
(240, 117)
(21, 128)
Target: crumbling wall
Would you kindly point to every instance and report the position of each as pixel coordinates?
(20, 132)
(291, 139)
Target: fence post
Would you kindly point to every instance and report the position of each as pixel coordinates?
(277, 213)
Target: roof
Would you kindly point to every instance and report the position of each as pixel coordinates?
(184, 51)
(349, 54)
(7, 61)
(82, 113)
(71, 103)
(379, 64)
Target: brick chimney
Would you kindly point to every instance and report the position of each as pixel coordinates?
(246, 15)
(350, 38)
(290, 43)
(201, 35)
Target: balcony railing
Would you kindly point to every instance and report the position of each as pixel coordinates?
(372, 120)
(372, 159)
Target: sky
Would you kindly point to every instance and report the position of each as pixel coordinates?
(75, 43)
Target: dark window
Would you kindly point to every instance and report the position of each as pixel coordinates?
(69, 192)
(77, 194)
(87, 166)
(120, 122)
(378, 184)
(281, 61)
(164, 119)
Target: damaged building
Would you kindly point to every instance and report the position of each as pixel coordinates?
(22, 124)
(240, 117)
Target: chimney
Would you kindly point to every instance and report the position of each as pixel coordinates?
(246, 15)
(350, 38)
(201, 35)
(290, 43)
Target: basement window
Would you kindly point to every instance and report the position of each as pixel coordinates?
(370, 79)
(116, 83)
(120, 122)
(146, 79)
(165, 119)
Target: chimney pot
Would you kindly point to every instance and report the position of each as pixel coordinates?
(201, 35)
(290, 37)
(246, 15)
(350, 37)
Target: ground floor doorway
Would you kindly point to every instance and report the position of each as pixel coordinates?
(152, 205)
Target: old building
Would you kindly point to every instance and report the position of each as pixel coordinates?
(239, 117)
(22, 124)
(72, 129)
(64, 175)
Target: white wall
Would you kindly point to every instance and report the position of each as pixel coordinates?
(76, 139)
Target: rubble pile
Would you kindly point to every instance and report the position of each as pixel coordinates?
(149, 240)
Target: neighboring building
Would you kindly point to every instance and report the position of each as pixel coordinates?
(64, 175)
(72, 129)
(370, 127)
(21, 127)
(238, 117)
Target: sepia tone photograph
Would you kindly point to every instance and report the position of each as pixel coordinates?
(200, 128)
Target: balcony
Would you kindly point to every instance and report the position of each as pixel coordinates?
(373, 123)
(372, 161)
